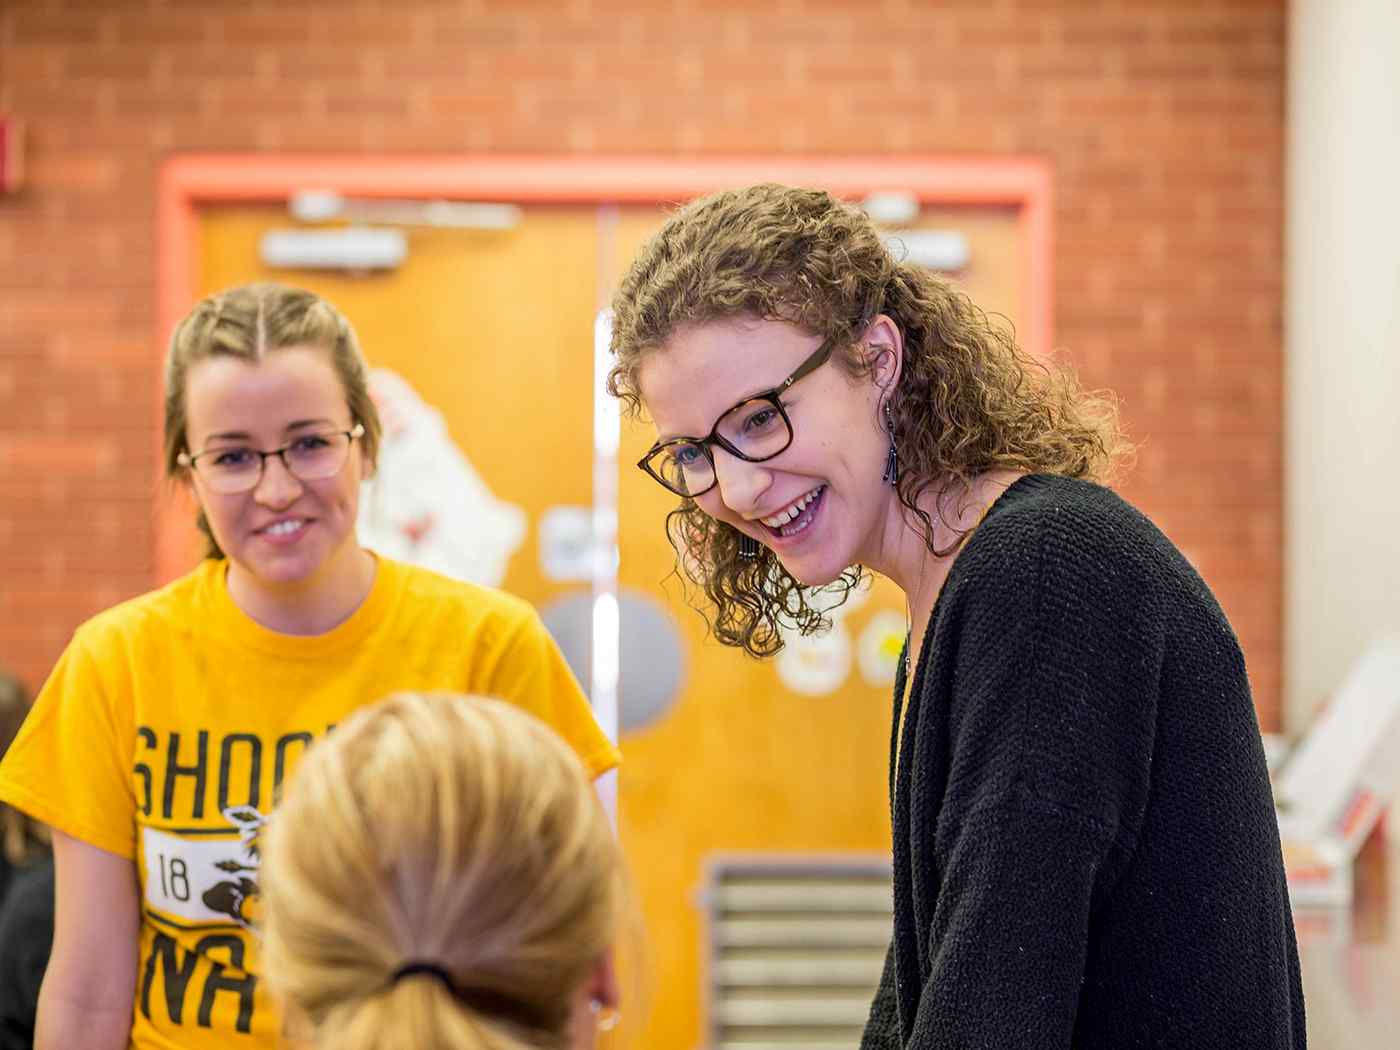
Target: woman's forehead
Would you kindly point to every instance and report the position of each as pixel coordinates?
(224, 392)
(705, 369)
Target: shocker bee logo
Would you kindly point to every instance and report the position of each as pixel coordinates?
(239, 897)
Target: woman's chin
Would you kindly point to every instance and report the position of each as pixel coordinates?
(810, 575)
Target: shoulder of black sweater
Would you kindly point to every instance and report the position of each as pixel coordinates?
(1077, 517)
(1054, 619)
(1082, 541)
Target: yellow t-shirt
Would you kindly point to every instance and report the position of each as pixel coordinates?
(170, 723)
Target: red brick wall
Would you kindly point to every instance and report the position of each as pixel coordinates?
(1163, 119)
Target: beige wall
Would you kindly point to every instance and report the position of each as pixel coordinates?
(1342, 318)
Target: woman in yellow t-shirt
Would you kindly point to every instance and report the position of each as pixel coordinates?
(487, 879)
(164, 735)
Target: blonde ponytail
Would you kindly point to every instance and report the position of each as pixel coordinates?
(456, 832)
(418, 1014)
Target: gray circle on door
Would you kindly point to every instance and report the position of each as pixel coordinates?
(651, 652)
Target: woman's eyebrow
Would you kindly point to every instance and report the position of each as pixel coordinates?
(662, 439)
(761, 392)
(243, 435)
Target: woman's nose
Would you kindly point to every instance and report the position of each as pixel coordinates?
(741, 484)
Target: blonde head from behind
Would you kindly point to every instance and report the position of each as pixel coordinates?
(449, 830)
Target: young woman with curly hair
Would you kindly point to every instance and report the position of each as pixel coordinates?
(1085, 850)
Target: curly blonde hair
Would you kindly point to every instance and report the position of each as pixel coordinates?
(969, 399)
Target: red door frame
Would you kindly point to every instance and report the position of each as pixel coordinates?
(189, 181)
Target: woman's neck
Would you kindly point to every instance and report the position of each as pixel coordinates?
(311, 606)
(955, 509)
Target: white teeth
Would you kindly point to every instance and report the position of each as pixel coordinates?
(283, 528)
(777, 521)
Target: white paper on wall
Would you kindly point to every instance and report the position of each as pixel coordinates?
(881, 642)
(426, 504)
(566, 543)
(818, 664)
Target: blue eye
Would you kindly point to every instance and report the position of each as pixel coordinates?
(686, 455)
(233, 458)
(310, 443)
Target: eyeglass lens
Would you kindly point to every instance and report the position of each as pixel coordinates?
(756, 428)
(308, 458)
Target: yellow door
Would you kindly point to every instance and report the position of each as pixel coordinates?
(495, 330)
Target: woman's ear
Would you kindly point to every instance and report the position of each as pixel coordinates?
(183, 480)
(602, 982)
(884, 345)
(594, 1007)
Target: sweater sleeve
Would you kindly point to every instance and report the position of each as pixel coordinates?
(1047, 750)
(1010, 931)
(882, 1028)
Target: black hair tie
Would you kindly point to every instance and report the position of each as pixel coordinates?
(485, 1001)
(430, 969)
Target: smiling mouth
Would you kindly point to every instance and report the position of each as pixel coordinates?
(796, 516)
(284, 528)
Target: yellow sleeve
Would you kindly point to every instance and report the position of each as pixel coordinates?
(532, 673)
(67, 766)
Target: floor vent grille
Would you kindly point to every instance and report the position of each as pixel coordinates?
(796, 950)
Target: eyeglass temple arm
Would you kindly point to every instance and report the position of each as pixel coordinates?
(810, 365)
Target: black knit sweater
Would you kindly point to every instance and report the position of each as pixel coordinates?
(1085, 848)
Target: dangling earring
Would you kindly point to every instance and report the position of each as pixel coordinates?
(606, 1016)
(748, 547)
(891, 474)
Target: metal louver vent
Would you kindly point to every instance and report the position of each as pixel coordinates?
(796, 949)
